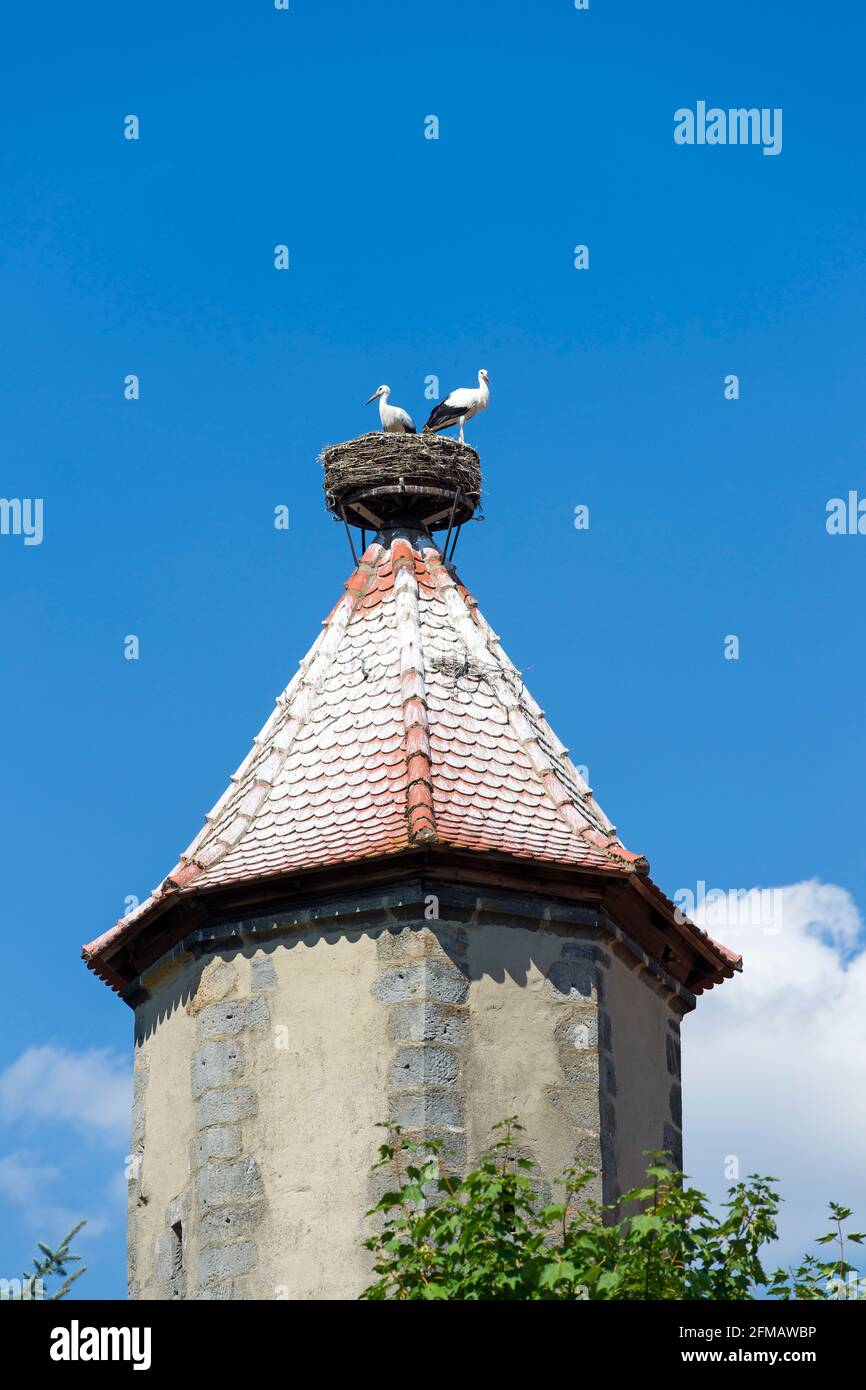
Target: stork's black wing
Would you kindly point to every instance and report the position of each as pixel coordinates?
(443, 416)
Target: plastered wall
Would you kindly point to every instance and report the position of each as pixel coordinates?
(267, 1053)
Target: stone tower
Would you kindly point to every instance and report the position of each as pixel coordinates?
(407, 904)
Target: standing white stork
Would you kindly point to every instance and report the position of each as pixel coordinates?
(394, 420)
(459, 406)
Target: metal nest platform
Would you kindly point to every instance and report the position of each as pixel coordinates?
(390, 479)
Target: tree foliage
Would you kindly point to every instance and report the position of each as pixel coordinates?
(52, 1265)
(487, 1236)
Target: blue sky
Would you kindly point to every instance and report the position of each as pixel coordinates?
(412, 257)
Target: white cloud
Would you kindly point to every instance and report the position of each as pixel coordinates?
(773, 1060)
(58, 1220)
(91, 1090)
(23, 1178)
(27, 1183)
(44, 1090)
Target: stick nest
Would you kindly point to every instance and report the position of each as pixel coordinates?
(377, 460)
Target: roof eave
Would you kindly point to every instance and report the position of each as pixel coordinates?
(118, 956)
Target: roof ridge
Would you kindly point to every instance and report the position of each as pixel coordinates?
(420, 811)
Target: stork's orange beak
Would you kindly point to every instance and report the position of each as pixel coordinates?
(372, 398)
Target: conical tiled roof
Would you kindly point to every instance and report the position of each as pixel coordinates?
(406, 725)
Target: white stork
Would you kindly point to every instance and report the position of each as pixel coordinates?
(394, 420)
(459, 406)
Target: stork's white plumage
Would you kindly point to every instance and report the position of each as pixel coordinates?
(394, 420)
(459, 406)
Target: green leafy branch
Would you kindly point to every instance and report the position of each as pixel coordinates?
(486, 1236)
(53, 1264)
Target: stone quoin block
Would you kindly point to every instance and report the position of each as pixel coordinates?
(225, 1105)
(416, 941)
(422, 980)
(579, 1028)
(217, 1262)
(262, 973)
(579, 1067)
(608, 1075)
(424, 1066)
(427, 1021)
(216, 1063)
(677, 1106)
(570, 980)
(179, 1208)
(225, 1291)
(138, 1118)
(584, 950)
(223, 1224)
(672, 1143)
(165, 1267)
(219, 1184)
(420, 1110)
(230, 1017)
(221, 1141)
(579, 1102)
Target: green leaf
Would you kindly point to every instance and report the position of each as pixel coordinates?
(643, 1225)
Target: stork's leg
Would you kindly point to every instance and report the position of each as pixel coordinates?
(462, 418)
